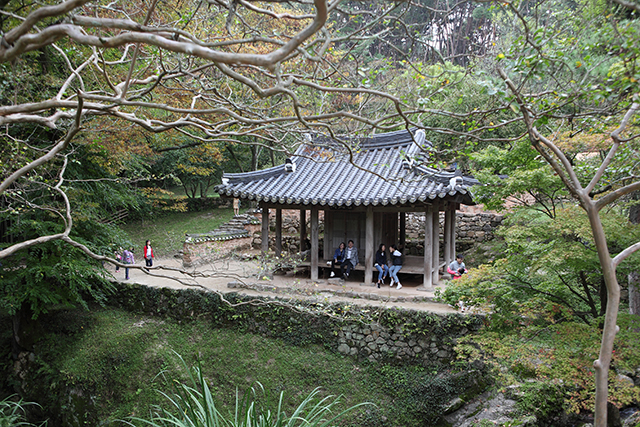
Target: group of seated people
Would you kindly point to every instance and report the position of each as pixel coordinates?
(345, 258)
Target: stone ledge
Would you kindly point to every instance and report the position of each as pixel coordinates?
(323, 292)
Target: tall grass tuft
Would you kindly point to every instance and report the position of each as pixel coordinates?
(12, 414)
(193, 405)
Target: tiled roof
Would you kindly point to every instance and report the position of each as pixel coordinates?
(385, 169)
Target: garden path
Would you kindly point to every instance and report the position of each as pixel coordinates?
(241, 276)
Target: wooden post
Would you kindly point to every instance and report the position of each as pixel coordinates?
(403, 228)
(453, 232)
(436, 245)
(264, 247)
(369, 248)
(427, 282)
(278, 232)
(328, 235)
(314, 243)
(303, 229)
(447, 235)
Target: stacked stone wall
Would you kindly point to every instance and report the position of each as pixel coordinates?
(194, 254)
(365, 333)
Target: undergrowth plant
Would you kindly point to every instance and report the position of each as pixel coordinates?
(555, 362)
(12, 413)
(192, 404)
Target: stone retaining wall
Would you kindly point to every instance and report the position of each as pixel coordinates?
(374, 333)
(198, 253)
(475, 226)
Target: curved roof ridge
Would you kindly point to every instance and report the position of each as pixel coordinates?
(253, 175)
(373, 142)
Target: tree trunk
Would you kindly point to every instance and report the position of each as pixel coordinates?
(634, 293)
(233, 156)
(25, 331)
(634, 276)
(610, 327)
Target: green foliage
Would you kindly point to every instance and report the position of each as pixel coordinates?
(558, 360)
(543, 399)
(421, 395)
(12, 413)
(167, 235)
(55, 272)
(518, 174)
(196, 167)
(193, 404)
(550, 269)
(114, 357)
(476, 113)
(48, 275)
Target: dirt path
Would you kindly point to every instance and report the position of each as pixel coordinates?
(241, 276)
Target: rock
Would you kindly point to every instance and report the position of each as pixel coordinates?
(633, 420)
(625, 379)
(485, 409)
(344, 349)
(454, 405)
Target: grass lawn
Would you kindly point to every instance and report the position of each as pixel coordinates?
(119, 356)
(167, 233)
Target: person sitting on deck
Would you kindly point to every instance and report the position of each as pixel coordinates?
(350, 259)
(338, 256)
(457, 268)
(396, 265)
(381, 264)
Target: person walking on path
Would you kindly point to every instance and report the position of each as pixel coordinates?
(457, 268)
(396, 265)
(127, 258)
(148, 254)
(350, 259)
(338, 256)
(118, 256)
(381, 264)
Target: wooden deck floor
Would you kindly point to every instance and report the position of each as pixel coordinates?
(412, 265)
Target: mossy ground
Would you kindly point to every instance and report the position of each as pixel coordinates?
(123, 360)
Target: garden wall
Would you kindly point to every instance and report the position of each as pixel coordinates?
(470, 228)
(373, 333)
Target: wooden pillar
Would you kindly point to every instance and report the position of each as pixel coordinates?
(303, 229)
(453, 232)
(436, 244)
(447, 236)
(369, 248)
(427, 283)
(328, 233)
(314, 243)
(278, 232)
(403, 228)
(264, 247)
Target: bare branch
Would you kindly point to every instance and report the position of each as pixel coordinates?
(625, 254)
(615, 135)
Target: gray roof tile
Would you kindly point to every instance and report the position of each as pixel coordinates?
(380, 174)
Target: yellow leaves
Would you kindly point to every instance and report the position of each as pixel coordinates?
(501, 56)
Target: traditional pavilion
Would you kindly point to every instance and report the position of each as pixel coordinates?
(365, 186)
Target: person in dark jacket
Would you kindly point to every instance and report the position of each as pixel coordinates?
(338, 257)
(396, 265)
(381, 264)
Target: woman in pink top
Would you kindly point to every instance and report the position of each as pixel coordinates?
(148, 254)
